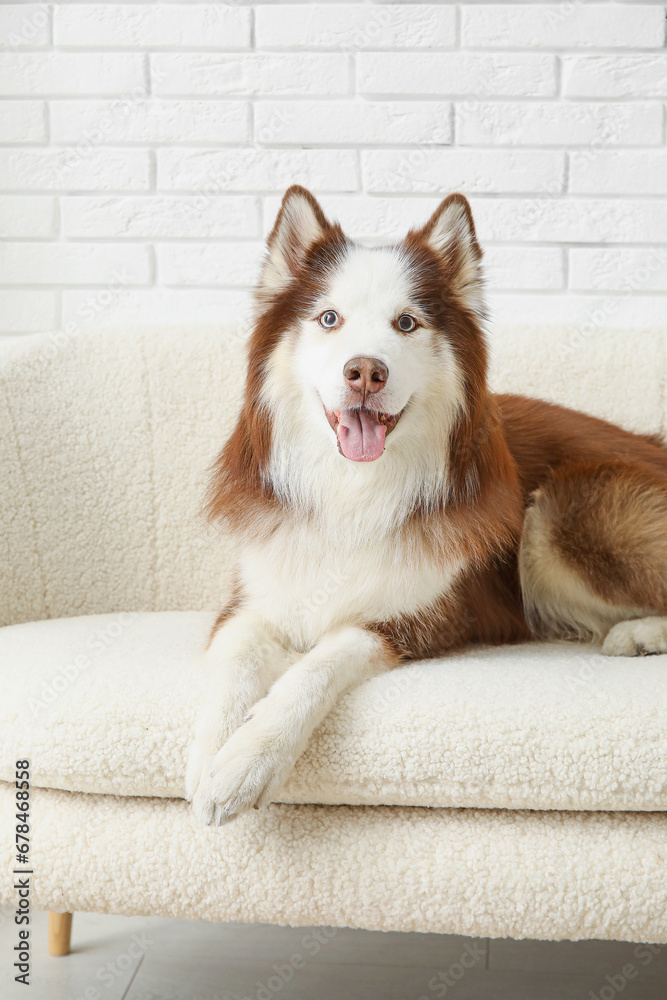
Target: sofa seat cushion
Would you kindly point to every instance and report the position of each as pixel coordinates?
(107, 704)
(480, 872)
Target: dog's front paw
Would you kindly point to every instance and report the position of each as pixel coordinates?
(206, 809)
(212, 732)
(244, 773)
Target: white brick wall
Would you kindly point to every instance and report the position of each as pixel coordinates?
(144, 147)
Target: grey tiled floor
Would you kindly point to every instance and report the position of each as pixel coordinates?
(137, 958)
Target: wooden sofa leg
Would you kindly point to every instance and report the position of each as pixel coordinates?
(60, 932)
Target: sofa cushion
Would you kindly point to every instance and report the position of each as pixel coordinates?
(107, 703)
(481, 872)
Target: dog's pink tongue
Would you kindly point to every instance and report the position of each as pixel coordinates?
(360, 435)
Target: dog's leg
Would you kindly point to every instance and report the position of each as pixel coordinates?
(593, 556)
(258, 757)
(243, 657)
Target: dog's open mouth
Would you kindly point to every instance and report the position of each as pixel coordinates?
(361, 432)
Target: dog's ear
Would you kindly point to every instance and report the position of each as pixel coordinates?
(300, 223)
(451, 233)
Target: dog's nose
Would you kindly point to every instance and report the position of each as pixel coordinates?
(366, 374)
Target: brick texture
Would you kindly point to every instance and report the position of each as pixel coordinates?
(144, 148)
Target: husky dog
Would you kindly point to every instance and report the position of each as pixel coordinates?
(370, 462)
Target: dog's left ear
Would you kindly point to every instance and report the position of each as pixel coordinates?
(299, 225)
(451, 233)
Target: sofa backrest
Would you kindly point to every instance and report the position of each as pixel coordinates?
(106, 438)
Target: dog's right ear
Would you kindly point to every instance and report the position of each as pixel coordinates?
(451, 233)
(300, 223)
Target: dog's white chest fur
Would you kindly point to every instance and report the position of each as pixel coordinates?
(306, 581)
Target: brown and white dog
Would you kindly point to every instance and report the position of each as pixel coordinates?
(370, 463)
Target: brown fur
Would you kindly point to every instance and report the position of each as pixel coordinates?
(605, 493)
(543, 436)
(439, 293)
(484, 606)
(603, 490)
(609, 521)
(481, 517)
(239, 490)
(233, 604)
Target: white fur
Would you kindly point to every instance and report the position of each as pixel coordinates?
(299, 229)
(306, 373)
(452, 231)
(256, 759)
(369, 290)
(362, 581)
(252, 657)
(351, 527)
(347, 556)
(640, 637)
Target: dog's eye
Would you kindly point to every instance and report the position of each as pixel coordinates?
(406, 323)
(329, 319)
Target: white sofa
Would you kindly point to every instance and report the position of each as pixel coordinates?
(515, 792)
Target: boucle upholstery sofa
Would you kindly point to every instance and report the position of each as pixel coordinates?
(515, 792)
